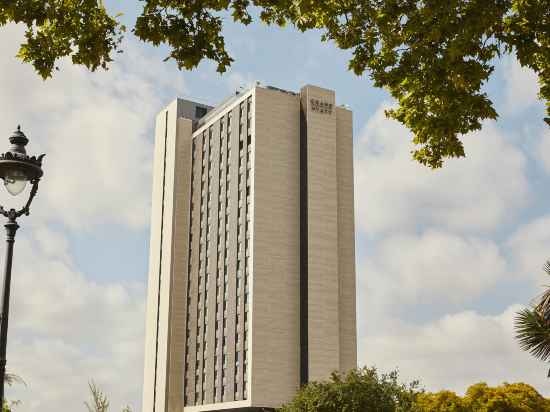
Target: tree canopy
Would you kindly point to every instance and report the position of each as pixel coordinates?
(515, 397)
(432, 56)
(361, 390)
(365, 390)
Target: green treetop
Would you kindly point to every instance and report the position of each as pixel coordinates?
(433, 56)
(366, 390)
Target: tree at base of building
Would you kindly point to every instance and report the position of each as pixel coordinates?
(365, 390)
(515, 397)
(360, 390)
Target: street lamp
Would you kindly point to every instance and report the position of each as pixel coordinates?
(16, 169)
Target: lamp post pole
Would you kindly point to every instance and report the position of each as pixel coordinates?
(11, 227)
(16, 169)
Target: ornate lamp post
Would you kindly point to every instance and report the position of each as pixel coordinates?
(16, 169)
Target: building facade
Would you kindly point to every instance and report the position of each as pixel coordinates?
(252, 263)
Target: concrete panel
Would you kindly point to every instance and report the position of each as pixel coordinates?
(161, 351)
(323, 320)
(149, 378)
(346, 240)
(274, 359)
(179, 259)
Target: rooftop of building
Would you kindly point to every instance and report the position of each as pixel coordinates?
(238, 94)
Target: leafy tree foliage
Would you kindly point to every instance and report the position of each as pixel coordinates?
(433, 56)
(365, 390)
(362, 390)
(447, 401)
(81, 29)
(515, 397)
(533, 325)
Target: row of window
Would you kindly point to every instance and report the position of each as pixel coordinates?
(242, 282)
(243, 188)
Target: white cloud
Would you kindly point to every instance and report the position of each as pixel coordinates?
(66, 329)
(433, 240)
(529, 246)
(521, 86)
(434, 267)
(455, 351)
(543, 149)
(472, 194)
(96, 129)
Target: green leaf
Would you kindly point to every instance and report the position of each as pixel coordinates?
(434, 57)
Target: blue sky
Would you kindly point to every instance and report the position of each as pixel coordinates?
(444, 258)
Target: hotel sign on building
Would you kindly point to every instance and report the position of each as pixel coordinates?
(252, 268)
(321, 106)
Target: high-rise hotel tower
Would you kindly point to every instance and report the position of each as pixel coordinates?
(252, 267)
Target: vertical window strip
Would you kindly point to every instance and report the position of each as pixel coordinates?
(188, 333)
(216, 312)
(239, 252)
(219, 252)
(247, 254)
(214, 257)
(207, 261)
(225, 274)
(202, 259)
(198, 276)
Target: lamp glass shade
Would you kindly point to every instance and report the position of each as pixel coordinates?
(15, 181)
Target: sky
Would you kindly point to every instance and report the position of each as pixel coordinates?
(444, 258)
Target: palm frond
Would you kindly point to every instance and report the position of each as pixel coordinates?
(99, 403)
(542, 306)
(11, 378)
(542, 302)
(533, 333)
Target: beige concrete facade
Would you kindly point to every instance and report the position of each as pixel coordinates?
(252, 262)
(276, 274)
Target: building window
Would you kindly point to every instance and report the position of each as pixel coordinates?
(200, 111)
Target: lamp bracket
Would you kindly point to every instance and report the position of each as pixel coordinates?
(13, 214)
